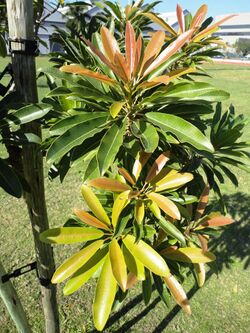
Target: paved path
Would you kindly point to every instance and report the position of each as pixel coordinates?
(232, 62)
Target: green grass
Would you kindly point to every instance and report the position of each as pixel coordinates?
(221, 306)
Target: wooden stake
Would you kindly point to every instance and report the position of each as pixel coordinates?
(21, 26)
(13, 304)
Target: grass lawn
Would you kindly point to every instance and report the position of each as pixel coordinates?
(221, 306)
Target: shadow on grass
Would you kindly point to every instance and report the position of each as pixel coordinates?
(230, 246)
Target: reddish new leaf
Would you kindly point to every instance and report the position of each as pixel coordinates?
(110, 44)
(217, 221)
(76, 69)
(169, 51)
(202, 203)
(130, 43)
(157, 166)
(180, 18)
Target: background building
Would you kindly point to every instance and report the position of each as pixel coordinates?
(235, 28)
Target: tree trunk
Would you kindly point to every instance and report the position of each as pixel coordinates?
(13, 304)
(21, 26)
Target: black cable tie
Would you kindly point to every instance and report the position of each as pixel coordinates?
(44, 282)
(19, 271)
(23, 46)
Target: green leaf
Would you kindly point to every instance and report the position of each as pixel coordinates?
(59, 91)
(147, 287)
(74, 137)
(104, 295)
(26, 114)
(70, 235)
(63, 125)
(172, 230)
(182, 129)
(147, 134)
(162, 290)
(109, 146)
(85, 272)
(71, 265)
(9, 180)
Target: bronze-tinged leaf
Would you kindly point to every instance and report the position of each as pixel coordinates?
(157, 166)
(173, 181)
(203, 239)
(122, 67)
(130, 43)
(180, 17)
(169, 51)
(76, 69)
(108, 184)
(110, 44)
(89, 219)
(138, 55)
(166, 205)
(155, 18)
(193, 255)
(127, 11)
(120, 203)
(101, 56)
(126, 175)
(202, 204)
(200, 274)
(178, 293)
(153, 48)
(140, 161)
(118, 264)
(132, 279)
(199, 17)
(94, 204)
(217, 221)
(211, 29)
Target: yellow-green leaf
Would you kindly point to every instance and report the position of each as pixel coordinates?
(140, 161)
(70, 266)
(104, 295)
(155, 209)
(120, 202)
(80, 277)
(147, 255)
(69, 235)
(173, 181)
(94, 204)
(165, 204)
(158, 20)
(134, 265)
(116, 108)
(89, 219)
(108, 184)
(188, 254)
(177, 292)
(118, 264)
(139, 211)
